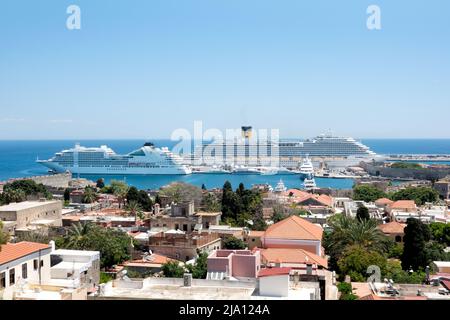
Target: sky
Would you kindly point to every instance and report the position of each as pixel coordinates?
(144, 68)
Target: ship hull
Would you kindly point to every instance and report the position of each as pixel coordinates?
(54, 167)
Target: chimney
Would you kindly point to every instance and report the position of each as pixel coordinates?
(52, 245)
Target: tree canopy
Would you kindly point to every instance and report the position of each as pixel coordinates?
(19, 190)
(233, 243)
(417, 234)
(367, 193)
(178, 192)
(114, 245)
(242, 206)
(420, 195)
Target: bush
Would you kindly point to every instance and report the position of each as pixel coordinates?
(233, 243)
(172, 269)
(105, 277)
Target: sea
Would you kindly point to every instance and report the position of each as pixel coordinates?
(18, 159)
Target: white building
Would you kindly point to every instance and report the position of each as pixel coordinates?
(24, 262)
(35, 271)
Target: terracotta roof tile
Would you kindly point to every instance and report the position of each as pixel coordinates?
(300, 256)
(384, 201)
(12, 251)
(296, 228)
(404, 204)
(267, 272)
(392, 227)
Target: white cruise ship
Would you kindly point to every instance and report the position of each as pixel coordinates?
(147, 160)
(334, 152)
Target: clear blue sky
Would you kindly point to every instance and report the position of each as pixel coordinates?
(142, 68)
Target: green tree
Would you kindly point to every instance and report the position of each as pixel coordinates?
(181, 192)
(67, 195)
(367, 193)
(440, 232)
(348, 232)
(229, 201)
(362, 214)
(233, 243)
(200, 268)
(4, 237)
(346, 291)
(417, 234)
(356, 260)
(278, 213)
(420, 195)
(28, 187)
(172, 269)
(145, 201)
(406, 165)
(134, 209)
(132, 195)
(210, 203)
(114, 245)
(89, 196)
(100, 183)
(119, 189)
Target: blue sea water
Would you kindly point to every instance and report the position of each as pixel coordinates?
(17, 159)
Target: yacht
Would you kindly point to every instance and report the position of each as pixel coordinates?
(309, 183)
(280, 188)
(147, 160)
(245, 170)
(306, 169)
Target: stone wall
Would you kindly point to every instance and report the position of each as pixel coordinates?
(418, 174)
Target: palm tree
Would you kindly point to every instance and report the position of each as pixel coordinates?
(134, 209)
(89, 195)
(77, 233)
(351, 232)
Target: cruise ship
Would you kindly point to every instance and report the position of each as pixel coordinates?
(324, 150)
(147, 160)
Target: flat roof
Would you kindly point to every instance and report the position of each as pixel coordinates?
(16, 206)
(66, 252)
(442, 264)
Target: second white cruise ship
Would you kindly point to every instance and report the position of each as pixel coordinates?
(147, 160)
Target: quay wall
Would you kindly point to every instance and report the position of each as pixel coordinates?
(60, 180)
(418, 174)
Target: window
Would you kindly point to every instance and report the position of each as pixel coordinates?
(25, 271)
(35, 264)
(12, 277)
(398, 239)
(42, 263)
(2, 280)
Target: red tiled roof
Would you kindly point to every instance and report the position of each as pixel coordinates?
(294, 228)
(446, 284)
(296, 256)
(392, 227)
(384, 201)
(302, 196)
(273, 272)
(404, 204)
(13, 251)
